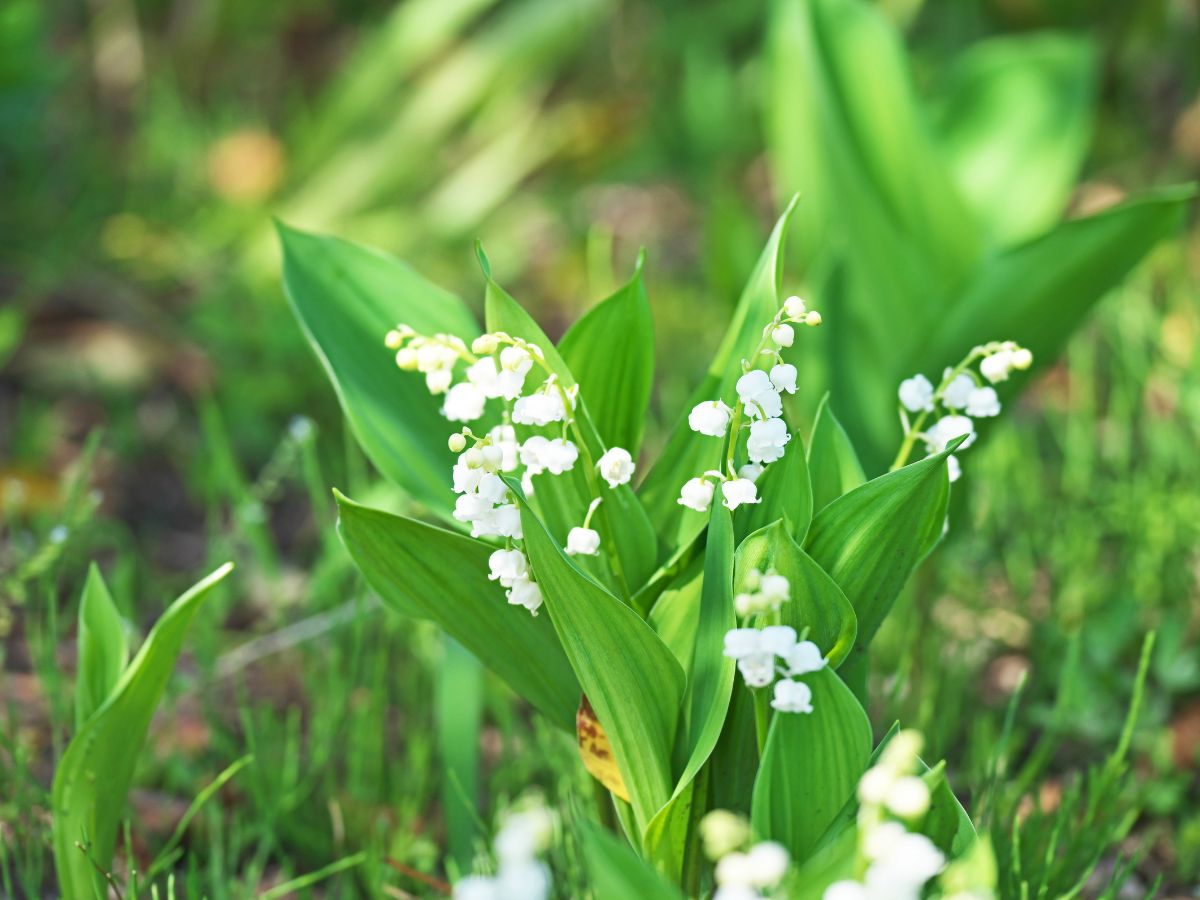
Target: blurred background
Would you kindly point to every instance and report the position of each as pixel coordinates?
(160, 411)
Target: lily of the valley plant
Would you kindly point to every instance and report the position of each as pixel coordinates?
(699, 621)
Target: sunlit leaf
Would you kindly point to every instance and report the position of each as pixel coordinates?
(445, 575)
(616, 872)
(786, 493)
(103, 650)
(628, 674)
(833, 466)
(611, 351)
(93, 776)
(346, 297)
(871, 539)
(810, 766)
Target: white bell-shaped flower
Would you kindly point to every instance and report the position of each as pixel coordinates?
(846, 890)
(492, 489)
(792, 697)
(784, 335)
(946, 429)
(995, 368)
(559, 456)
(710, 417)
(438, 381)
(516, 360)
(541, 408)
(983, 403)
(433, 357)
(471, 507)
(505, 437)
(758, 670)
(908, 797)
(953, 468)
(476, 887)
(526, 593)
(773, 590)
(767, 440)
(803, 658)
(916, 394)
(758, 395)
(958, 391)
(616, 466)
(582, 541)
(777, 639)
(783, 378)
(507, 566)
(466, 477)
(768, 863)
(750, 471)
(742, 642)
(697, 494)
(464, 402)
(738, 492)
(795, 307)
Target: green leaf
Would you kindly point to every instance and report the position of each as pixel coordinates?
(706, 699)
(947, 823)
(816, 603)
(611, 351)
(833, 466)
(871, 539)
(1037, 293)
(445, 575)
(103, 649)
(346, 297)
(93, 776)
(563, 500)
(810, 766)
(615, 870)
(675, 615)
(786, 494)
(845, 130)
(1016, 118)
(687, 453)
(632, 680)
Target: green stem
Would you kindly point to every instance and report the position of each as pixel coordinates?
(914, 431)
(762, 717)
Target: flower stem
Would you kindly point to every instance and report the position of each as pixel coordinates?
(762, 717)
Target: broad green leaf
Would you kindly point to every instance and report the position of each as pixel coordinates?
(710, 674)
(562, 501)
(615, 870)
(816, 603)
(810, 766)
(829, 863)
(445, 575)
(706, 699)
(734, 762)
(675, 615)
(103, 649)
(687, 453)
(833, 466)
(1037, 293)
(626, 671)
(669, 837)
(611, 351)
(871, 539)
(1016, 118)
(346, 297)
(94, 774)
(786, 494)
(947, 823)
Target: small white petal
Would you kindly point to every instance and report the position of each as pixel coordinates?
(916, 394)
(739, 491)
(583, 542)
(697, 494)
(616, 466)
(792, 697)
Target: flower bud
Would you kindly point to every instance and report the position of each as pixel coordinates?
(795, 307)
(723, 832)
(485, 344)
(813, 319)
(783, 335)
(406, 359)
(457, 443)
(1022, 358)
(473, 458)
(393, 339)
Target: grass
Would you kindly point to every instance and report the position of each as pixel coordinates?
(160, 413)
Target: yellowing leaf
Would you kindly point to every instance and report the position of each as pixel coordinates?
(596, 751)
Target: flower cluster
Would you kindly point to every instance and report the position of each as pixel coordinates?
(962, 396)
(743, 872)
(759, 409)
(894, 862)
(497, 367)
(520, 874)
(756, 649)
